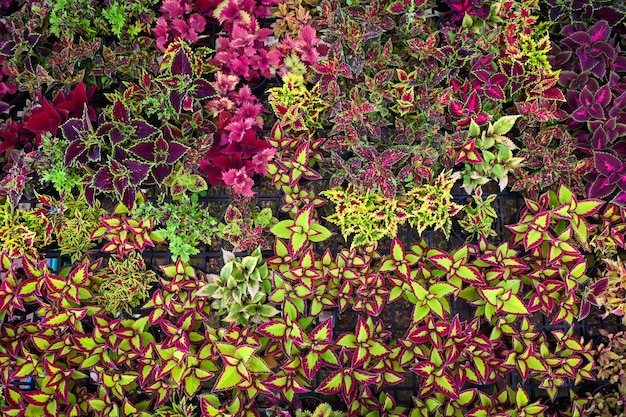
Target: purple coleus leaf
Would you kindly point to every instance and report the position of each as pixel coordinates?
(181, 64)
(492, 84)
(77, 131)
(592, 105)
(599, 138)
(202, 89)
(120, 112)
(591, 45)
(618, 106)
(468, 111)
(177, 98)
(611, 174)
(121, 178)
(143, 130)
(103, 180)
(161, 155)
(138, 171)
(605, 131)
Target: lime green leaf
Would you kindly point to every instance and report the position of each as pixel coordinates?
(504, 124)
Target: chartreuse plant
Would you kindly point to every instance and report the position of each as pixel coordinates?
(431, 205)
(369, 216)
(52, 165)
(90, 21)
(73, 221)
(241, 290)
(295, 105)
(297, 147)
(322, 410)
(22, 231)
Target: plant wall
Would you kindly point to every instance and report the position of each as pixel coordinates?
(225, 208)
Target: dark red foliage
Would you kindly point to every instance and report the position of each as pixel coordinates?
(49, 116)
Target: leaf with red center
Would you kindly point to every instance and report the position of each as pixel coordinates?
(468, 153)
(456, 108)
(473, 103)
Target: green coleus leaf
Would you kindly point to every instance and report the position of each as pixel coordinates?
(191, 385)
(281, 230)
(320, 233)
(297, 242)
(447, 385)
(504, 124)
(396, 250)
(273, 329)
(514, 305)
(441, 289)
(348, 341)
(257, 365)
(228, 379)
(333, 384)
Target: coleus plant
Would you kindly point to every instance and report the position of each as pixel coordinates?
(139, 362)
(370, 216)
(489, 156)
(304, 228)
(241, 290)
(126, 150)
(592, 67)
(293, 138)
(548, 161)
(236, 153)
(246, 226)
(178, 21)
